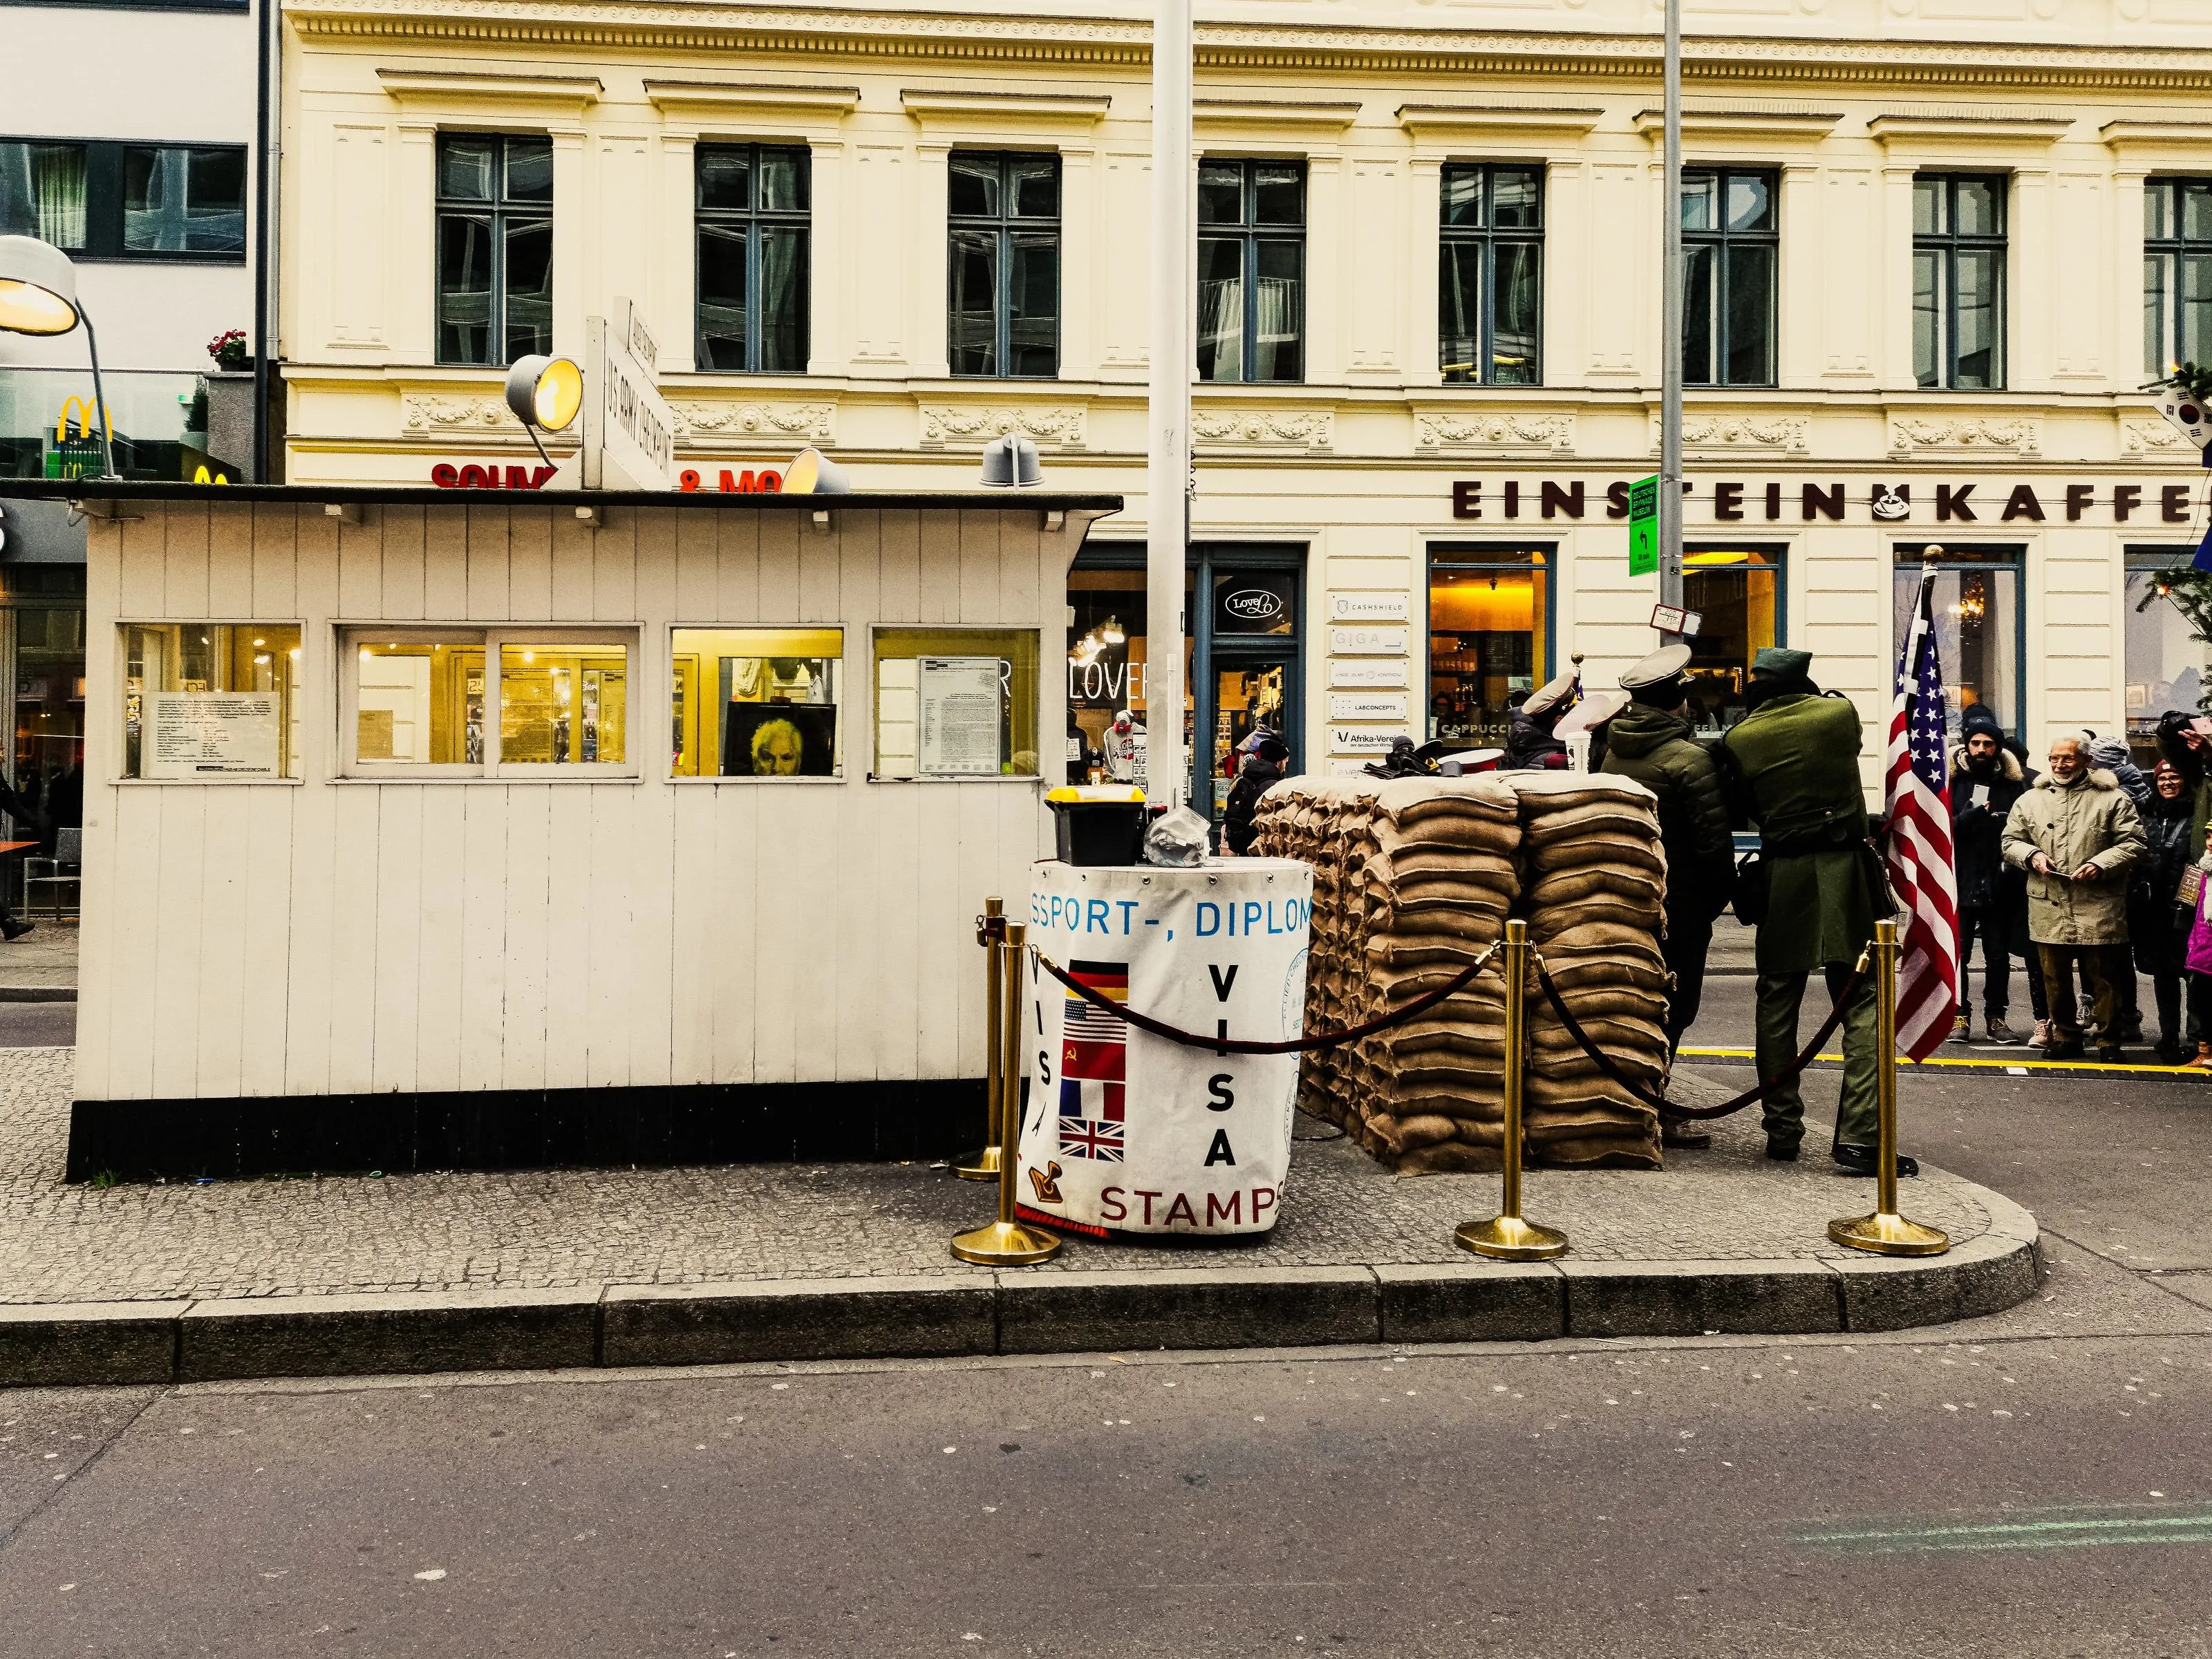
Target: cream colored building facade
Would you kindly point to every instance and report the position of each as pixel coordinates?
(1352, 491)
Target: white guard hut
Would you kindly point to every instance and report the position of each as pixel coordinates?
(451, 830)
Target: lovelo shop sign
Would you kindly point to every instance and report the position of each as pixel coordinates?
(1942, 501)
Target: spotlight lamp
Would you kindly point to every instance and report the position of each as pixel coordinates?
(813, 473)
(38, 295)
(545, 394)
(1011, 463)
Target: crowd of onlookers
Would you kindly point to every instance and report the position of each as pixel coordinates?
(2091, 870)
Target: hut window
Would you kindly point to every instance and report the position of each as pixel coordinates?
(470, 703)
(956, 702)
(211, 702)
(755, 702)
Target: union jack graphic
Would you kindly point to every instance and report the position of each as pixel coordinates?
(1091, 1138)
(1094, 1065)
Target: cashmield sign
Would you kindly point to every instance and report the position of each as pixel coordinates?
(630, 431)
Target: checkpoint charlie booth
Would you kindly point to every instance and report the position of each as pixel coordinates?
(602, 827)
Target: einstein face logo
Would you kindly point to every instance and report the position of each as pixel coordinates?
(1892, 502)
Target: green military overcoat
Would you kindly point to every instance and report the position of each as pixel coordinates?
(1794, 772)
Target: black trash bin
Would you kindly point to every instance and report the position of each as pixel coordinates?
(1096, 824)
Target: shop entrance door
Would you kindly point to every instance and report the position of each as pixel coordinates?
(1248, 655)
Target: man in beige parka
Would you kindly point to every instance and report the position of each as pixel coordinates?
(2076, 834)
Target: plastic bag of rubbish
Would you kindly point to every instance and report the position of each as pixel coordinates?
(1177, 838)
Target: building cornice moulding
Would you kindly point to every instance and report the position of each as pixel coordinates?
(1954, 129)
(1804, 125)
(729, 97)
(568, 93)
(1221, 114)
(2123, 135)
(1436, 124)
(956, 107)
(717, 26)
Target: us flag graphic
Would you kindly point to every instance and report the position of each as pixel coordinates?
(1094, 1066)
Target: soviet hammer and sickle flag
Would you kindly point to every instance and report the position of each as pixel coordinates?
(1094, 1066)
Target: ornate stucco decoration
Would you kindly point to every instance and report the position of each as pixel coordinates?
(979, 423)
(2157, 438)
(1915, 435)
(1741, 432)
(1483, 429)
(814, 422)
(1264, 429)
(422, 415)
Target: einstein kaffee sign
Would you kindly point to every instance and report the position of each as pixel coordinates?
(1917, 498)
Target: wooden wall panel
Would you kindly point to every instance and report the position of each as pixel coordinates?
(339, 937)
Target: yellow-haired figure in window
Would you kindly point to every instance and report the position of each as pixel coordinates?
(778, 749)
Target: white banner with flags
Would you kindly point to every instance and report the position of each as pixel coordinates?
(1124, 1131)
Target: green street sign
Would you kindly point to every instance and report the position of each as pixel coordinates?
(1643, 527)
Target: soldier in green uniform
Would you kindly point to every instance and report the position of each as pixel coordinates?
(1794, 766)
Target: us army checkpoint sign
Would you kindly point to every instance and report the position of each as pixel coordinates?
(1127, 1131)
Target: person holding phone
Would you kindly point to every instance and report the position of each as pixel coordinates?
(2158, 927)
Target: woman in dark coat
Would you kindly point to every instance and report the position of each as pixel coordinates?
(2152, 913)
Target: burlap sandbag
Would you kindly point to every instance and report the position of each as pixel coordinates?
(1559, 889)
(1452, 1158)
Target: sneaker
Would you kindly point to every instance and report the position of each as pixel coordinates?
(1997, 1031)
(2042, 1037)
(2204, 1060)
(1962, 1028)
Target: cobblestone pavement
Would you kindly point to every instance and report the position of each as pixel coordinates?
(558, 1229)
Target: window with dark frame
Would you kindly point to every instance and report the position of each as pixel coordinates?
(1958, 280)
(1490, 278)
(1731, 258)
(1251, 271)
(1002, 284)
(106, 200)
(753, 220)
(495, 247)
(2177, 273)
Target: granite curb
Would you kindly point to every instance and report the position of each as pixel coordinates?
(981, 1312)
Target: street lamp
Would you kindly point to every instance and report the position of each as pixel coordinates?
(38, 295)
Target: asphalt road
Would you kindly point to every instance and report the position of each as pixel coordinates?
(37, 1025)
(2035, 1484)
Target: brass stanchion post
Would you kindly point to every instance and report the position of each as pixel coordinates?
(990, 929)
(1506, 1236)
(1886, 1232)
(1007, 1243)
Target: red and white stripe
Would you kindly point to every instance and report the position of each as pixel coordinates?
(1919, 850)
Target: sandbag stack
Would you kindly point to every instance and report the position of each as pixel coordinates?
(1595, 896)
(1413, 880)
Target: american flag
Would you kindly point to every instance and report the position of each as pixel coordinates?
(1919, 841)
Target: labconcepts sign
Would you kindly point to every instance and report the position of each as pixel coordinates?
(1983, 501)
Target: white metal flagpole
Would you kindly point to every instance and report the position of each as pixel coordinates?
(1167, 471)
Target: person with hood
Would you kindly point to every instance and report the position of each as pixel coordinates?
(1528, 738)
(1794, 766)
(1985, 781)
(2078, 836)
(2158, 924)
(2181, 743)
(1650, 741)
(1265, 757)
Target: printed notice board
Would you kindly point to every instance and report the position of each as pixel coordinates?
(960, 708)
(1643, 527)
(211, 734)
